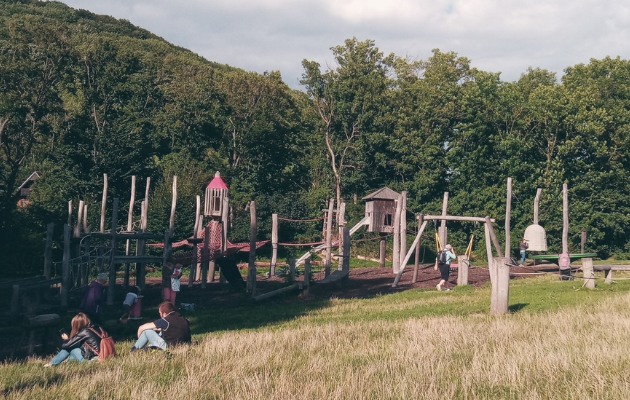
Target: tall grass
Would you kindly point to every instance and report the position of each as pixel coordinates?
(562, 342)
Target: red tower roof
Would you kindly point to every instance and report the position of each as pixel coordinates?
(217, 182)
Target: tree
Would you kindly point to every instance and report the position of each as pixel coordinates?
(348, 100)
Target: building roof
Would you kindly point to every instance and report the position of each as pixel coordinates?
(32, 177)
(217, 182)
(382, 194)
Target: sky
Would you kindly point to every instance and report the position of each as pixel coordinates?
(505, 36)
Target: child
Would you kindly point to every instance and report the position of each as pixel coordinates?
(130, 299)
(177, 274)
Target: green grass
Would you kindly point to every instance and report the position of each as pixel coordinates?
(412, 344)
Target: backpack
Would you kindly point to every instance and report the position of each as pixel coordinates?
(442, 257)
(107, 345)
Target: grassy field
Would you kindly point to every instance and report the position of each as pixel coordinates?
(560, 341)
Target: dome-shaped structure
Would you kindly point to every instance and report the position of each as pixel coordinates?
(536, 238)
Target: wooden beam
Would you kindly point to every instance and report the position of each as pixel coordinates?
(411, 250)
(416, 263)
(497, 245)
(491, 269)
(536, 203)
(251, 274)
(341, 224)
(442, 233)
(112, 266)
(276, 292)
(396, 238)
(565, 218)
(329, 217)
(456, 218)
(345, 265)
(403, 227)
(171, 224)
(274, 245)
(65, 268)
(103, 203)
(508, 214)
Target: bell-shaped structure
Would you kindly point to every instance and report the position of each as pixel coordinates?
(536, 238)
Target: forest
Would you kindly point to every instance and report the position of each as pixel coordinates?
(82, 95)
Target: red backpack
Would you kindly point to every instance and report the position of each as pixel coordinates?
(107, 345)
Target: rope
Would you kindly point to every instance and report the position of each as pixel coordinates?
(301, 244)
(300, 220)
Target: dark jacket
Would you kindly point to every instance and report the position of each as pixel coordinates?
(92, 299)
(167, 271)
(84, 336)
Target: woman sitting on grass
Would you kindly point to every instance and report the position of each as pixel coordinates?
(82, 344)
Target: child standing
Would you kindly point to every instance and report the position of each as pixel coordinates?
(130, 299)
(175, 283)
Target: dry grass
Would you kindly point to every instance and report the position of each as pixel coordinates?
(577, 352)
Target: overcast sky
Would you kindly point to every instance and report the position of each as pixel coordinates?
(506, 36)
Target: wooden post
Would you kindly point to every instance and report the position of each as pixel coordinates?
(329, 218)
(196, 229)
(536, 202)
(129, 227)
(70, 213)
(462, 271)
(565, 219)
(382, 249)
(77, 227)
(609, 276)
(408, 255)
(508, 214)
(491, 269)
(104, 203)
(86, 229)
(85, 272)
(341, 223)
(251, 275)
(171, 224)
(212, 269)
(292, 270)
(345, 266)
(65, 268)
(583, 241)
(396, 238)
(442, 233)
(274, 245)
(112, 267)
(50, 230)
(497, 246)
(403, 228)
(225, 223)
(307, 275)
(142, 244)
(205, 257)
(168, 247)
(193, 265)
(416, 263)
(589, 275)
(500, 304)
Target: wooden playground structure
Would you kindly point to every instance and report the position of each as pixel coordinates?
(87, 252)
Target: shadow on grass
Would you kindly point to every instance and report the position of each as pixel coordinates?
(517, 307)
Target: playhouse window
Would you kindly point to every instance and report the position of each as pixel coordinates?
(387, 220)
(216, 204)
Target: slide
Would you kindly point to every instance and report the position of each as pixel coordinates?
(230, 272)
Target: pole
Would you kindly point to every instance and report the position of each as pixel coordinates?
(251, 275)
(508, 214)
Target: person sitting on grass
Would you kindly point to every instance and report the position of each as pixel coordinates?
(82, 344)
(170, 330)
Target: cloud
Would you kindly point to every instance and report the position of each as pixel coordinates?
(496, 35)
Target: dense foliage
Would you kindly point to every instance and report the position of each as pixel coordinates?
(83, 95)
